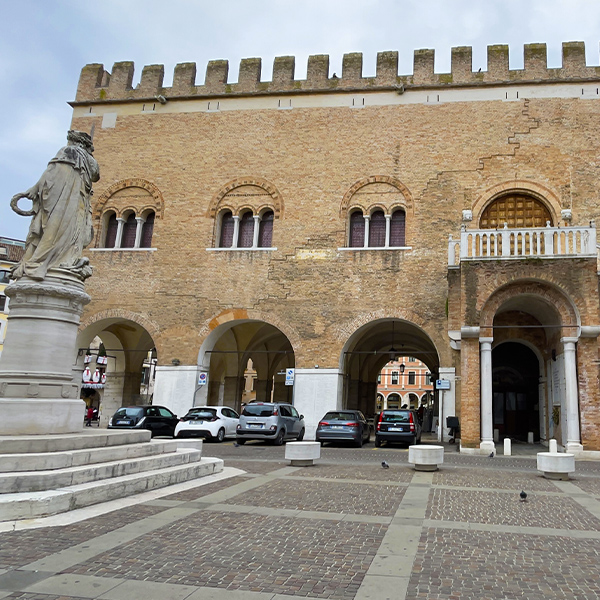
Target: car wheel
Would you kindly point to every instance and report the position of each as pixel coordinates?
(280, 437)
(240, 442)
(300, 436)
(369, 437)
(377, 442)
(220, 435)
(359, 441)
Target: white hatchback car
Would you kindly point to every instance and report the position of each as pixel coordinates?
(214, 423)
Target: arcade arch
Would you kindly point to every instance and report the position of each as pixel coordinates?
(370, 348)
(228, 352)
(128, 346)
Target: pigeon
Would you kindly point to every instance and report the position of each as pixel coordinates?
(491, 455)
(523, 496)
(236, 444)
(384, 464)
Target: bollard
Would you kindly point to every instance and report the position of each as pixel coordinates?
(496, 436)
(530, 437)
(553, 446)
(507, 447)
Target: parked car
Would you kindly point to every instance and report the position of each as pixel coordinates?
(398, 425)
(214, 423)
(270, 421)
(158, 419)
(344, 425)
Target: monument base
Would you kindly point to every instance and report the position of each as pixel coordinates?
(35, 417)
(38, 394)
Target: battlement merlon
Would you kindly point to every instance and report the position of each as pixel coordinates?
(97, 85)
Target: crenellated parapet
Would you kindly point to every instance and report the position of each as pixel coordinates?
(97, 85)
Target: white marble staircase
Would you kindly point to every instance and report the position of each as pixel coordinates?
(44, 475)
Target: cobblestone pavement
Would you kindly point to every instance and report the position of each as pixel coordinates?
(344, 529)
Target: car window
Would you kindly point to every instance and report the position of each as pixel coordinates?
(340, 416)
(361, 416)
(401, 416)
(152, 411)
(257, 410)
(129, 412)
(294, 412)
(165, 412)
(228, 412)
(285, 411)
(203, 413)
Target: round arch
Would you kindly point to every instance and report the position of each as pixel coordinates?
(217, 202)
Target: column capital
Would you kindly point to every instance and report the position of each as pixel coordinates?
(569, 340)
(486, 340)
(121, 220)
(140, 219)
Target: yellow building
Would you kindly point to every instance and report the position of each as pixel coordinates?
(11, 252)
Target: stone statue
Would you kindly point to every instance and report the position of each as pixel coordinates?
(62, 215)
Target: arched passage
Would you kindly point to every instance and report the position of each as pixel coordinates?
(370, 348)
(129, 348)
(224, 357)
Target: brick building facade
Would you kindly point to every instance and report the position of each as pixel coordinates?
(324, 224)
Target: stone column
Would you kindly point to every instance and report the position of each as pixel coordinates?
(447, 401)
(487, 423)
(231, 394)
(138, 231)
(572, 398)
(388, 221)
(236, 231)
(263, 389)
(256, 231)
(112, 396)
(174, 387)
(470, 392)
(38, 394)
(367, 221)
(119, 236)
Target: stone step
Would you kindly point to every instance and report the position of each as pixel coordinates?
(46, 461)
(88, 438)
(30, 505)
(36, 481)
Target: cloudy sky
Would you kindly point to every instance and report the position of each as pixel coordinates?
(45, 43)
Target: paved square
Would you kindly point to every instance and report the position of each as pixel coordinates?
(327, 496)
(324, 559)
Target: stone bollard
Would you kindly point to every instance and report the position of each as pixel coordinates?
(530, 437)
(426, 458)
(556, 465)
(553, 446)
(507, 447)
(302, 454)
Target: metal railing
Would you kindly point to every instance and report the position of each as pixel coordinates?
(505, 243)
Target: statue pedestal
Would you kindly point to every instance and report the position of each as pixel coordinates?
(37, 392)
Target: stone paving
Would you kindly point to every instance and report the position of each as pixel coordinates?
(345, 529)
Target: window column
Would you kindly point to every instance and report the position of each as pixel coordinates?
(256, 231)
(138, 231)
(120, 224)
(388, 221)
(572, 401)
(367, 221)
(236, 231)
(487, 424)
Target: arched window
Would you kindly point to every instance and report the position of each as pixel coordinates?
(227, 228)
(147, 229)
(111, 231)
(265, 232)
(246, 230)
(517, 211)
(377, 230)
(357, 230)
(129, 231)
(397, 229)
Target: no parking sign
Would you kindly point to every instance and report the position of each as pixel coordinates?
(202, 379)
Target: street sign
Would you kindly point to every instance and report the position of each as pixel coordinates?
(442, 384)
(202, 379)
(289, 376)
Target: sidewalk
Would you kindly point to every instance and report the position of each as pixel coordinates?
(265, 531)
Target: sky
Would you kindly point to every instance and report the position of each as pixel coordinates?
(45, 43)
